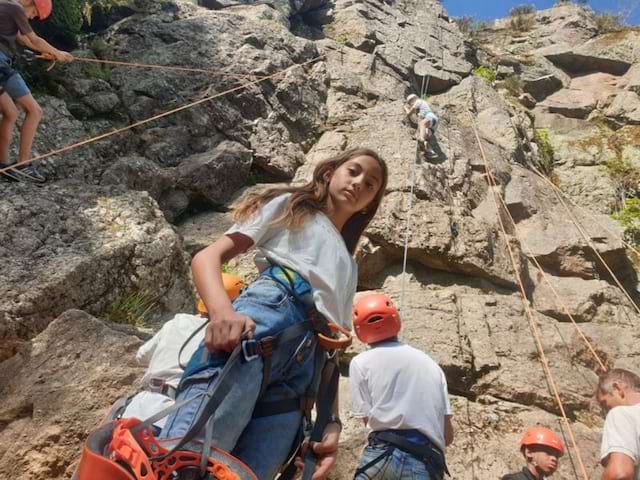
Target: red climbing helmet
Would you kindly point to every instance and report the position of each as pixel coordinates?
(542, 436)
(43, 7)
(375, 318)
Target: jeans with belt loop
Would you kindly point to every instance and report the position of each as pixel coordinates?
(262, 443)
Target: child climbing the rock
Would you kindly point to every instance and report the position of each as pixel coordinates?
(401, 395)
(14, 27)
(542, 450)
(306, 237)
(427, 121)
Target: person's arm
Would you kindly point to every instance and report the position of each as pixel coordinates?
(618, 467)
(225, 327)
(32, 41)
(413, 108)
(448, 430)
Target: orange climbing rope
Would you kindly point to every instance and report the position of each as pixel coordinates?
(155, 117)
(585, 212)
(243, 76)
(587, 239)
(530, 314)
(545, 277)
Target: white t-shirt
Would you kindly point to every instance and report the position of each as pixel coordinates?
(621, 434)
(316, 251)
(398, 387)
(160, 355)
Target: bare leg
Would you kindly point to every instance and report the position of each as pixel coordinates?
(8, 122)
(29, 126)
(423, 127)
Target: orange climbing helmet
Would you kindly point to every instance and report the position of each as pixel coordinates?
(375, 318)
(542, 436)
(43, 7)
(232, 283)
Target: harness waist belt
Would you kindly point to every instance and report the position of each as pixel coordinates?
(428, 452)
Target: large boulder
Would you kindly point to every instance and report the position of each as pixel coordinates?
(612, 53)
(69, 245)
(57, 389)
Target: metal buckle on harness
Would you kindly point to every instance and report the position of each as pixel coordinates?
(250, 350)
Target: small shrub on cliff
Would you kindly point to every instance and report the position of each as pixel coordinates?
(133, 309)
(609, 22)
(68, 18)
(513, 84)
(629, 217)
(488, 73)
(547, 159)
(522, 18)
(625, 178)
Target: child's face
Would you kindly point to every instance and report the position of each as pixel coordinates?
(30, 10)
(545, 458)
(355, 183)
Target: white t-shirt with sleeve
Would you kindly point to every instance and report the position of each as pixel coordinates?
(621, 434)
(160, 356)
(398, 387)
(316, 251)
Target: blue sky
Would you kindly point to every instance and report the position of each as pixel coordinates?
(490, 9)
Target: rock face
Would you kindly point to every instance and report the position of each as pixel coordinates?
(56, 390)
(86, 242)
(70, 245)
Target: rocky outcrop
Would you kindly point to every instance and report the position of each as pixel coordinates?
(69, 245)
(78, 245)
(57, 389)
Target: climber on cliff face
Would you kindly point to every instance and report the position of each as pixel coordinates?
(542, 450)
(427, 122)
(618, 394)
(14, 27)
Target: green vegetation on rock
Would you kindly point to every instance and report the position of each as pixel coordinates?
(629, 217)
(488, 73)
(133, 309)
(547, 159)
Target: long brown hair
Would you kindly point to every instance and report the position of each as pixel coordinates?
(312, 197)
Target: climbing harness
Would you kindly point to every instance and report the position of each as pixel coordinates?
(126, 449)
(427, 452)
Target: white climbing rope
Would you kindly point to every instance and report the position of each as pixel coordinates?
(407, 230)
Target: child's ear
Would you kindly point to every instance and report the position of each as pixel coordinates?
(327, 175)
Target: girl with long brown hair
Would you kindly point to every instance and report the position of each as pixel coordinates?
(305, 236)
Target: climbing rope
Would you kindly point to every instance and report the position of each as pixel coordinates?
(585, 212)
(545, 277)
(530, 313)
(156, 117)
(407, 229)
(559, 195)
(241, 76)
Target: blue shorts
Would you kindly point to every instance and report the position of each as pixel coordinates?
(430, 116)
(15, 86)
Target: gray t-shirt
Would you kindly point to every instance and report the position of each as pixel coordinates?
(621, 434)
(12, 20)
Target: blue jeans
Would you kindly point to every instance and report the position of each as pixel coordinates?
(397, 466)
(262, 443)
(15, 85)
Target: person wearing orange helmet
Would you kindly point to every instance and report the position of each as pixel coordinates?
(15, 28)
(542, 449)
(401, 394)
